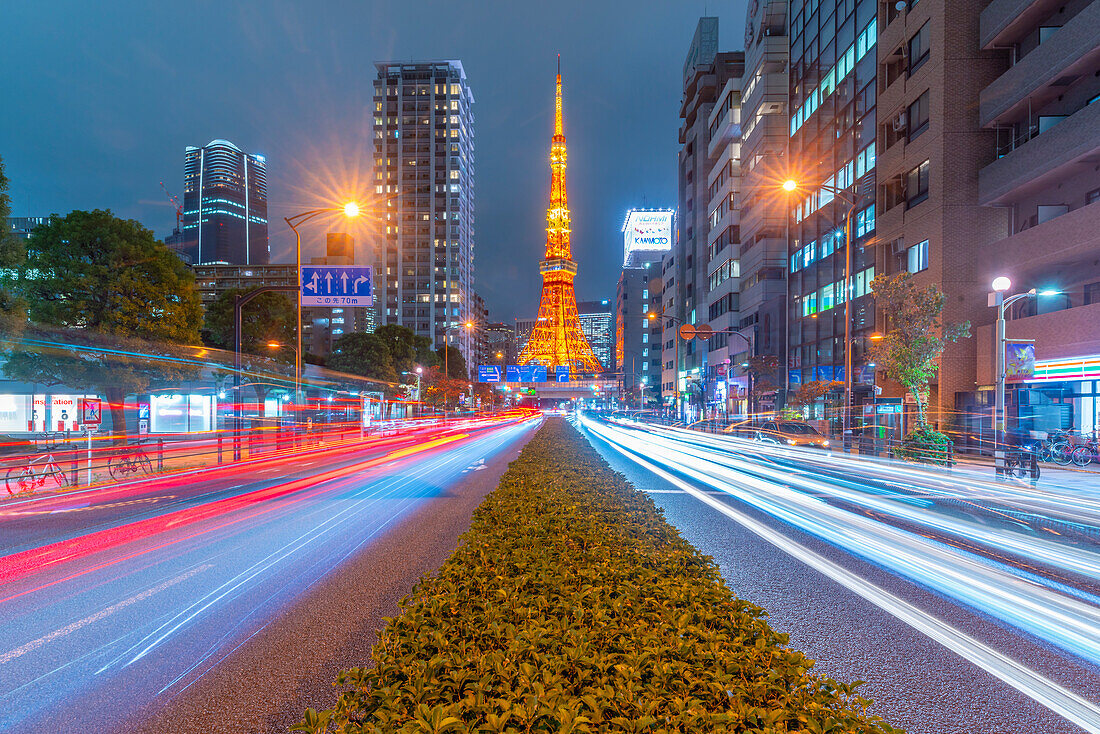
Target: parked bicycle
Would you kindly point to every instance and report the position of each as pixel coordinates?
(34, 475)
(1057, 448)
(1086, 452)
(1021, 462)
(130, 461)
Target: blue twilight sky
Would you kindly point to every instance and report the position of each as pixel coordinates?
(100, 98)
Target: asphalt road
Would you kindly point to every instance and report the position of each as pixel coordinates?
(226, 599)
(966, 605)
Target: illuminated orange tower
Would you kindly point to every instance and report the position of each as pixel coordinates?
(557, 338)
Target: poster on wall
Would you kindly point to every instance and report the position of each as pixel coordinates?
(1019, 361)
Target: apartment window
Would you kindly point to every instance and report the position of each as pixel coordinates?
(918, 257)
(1092, 293)
(916, 185)
(917, 116)
(1092, 196)
(919, 49)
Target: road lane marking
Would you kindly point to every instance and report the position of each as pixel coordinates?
(1033, 684)
(99, 616)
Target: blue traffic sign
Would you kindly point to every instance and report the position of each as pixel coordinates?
(525, 373)
(329, 285)
(561, 373)
(488, 373)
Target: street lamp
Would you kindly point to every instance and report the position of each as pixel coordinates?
(447, 354)
(997, 298)
(297, 373)
(350, 210)
(790, 186)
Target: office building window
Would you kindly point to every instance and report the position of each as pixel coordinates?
(916, 185)
(918, 257)
(917, 116)
(919, 49)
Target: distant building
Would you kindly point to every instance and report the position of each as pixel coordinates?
(524, 327)
(598, 324)
(424, 154)
(213, 280)
(224, 206)
(500, 339)
(636, 335)
(480, 319)
(22, 227)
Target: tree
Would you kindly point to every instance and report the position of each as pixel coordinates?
(424, 356)
(910, 351)
(455, 362)
(363, 354)
(440, 390)
(13, 312)
(117, 296)
(402, 345)
(809, 393)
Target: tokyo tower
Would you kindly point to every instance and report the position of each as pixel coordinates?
(557, 338)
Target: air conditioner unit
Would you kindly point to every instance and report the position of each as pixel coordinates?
(899, 122)
(898, 246)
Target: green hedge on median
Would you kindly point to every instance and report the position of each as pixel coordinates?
(571, 605)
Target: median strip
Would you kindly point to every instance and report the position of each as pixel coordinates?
(571, 605)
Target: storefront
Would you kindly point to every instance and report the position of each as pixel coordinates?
(40, 413)
(177, 413)
(1067, 394)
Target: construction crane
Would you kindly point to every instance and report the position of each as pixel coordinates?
(175, 203)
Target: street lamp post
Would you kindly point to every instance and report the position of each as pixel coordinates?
(349, 210)
(297, 371)
(997, 298)
(853, 203)
(676, 391)
(447, 355)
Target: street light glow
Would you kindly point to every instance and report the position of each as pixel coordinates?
(274, 345)
(1050, 293)
(876, 337)
(351, 209)
(1001, 284)
(790, 185)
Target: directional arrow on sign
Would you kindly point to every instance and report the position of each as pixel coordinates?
(313, 285)
(328, 282)
(344, 281)
(358, 281)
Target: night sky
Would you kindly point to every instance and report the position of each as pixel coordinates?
(100, 99)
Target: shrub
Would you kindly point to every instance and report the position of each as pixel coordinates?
(571, 605)
(927, 446)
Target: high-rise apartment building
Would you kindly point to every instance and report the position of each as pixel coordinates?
(424, 157)
(1040, 102)
(224, 206)
(637, 337)
(705, 75)
(730, 343)
(832, 125)
(763, 206)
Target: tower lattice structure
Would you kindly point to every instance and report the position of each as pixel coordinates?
(557, 338)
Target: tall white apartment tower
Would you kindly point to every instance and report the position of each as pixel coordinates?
(424, 157)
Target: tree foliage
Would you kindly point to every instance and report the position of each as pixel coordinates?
(402, 345)
(94, 271)
(455, 362)
(13, 311)
(441, 390)
(363, 354)
(809, 393)
(111, 305)
(911, 349)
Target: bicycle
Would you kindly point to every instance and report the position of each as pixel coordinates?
(1058, 448)
(129, 461)
(1085, 453)
(1019, 461)
(26, 479)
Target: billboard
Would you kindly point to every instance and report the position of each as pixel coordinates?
(647, 232)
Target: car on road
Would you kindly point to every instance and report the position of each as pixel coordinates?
(791, 433)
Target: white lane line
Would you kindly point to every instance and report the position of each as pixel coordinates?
(1058, 699)
(100, 615)
(663, 491)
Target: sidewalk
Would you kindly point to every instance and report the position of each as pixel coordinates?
(1049, 474)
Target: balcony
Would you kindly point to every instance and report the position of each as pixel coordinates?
(1039, 162)
(1038, 78)
(1003, 22)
